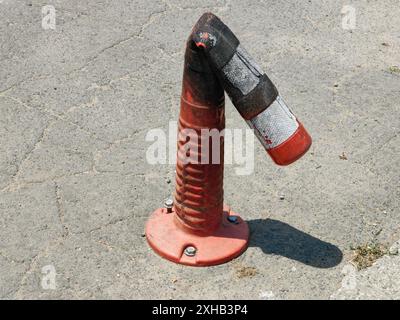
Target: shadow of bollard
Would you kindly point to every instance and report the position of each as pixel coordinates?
(275, 237)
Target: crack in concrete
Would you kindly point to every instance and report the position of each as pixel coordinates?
(119, 42)
(60, 117)
(86, 63)
(3, 92)
(14, 185)
(39, 140)
(33, 265)
(112, 222)
(11, 260)
(384, 144)
(60, 210)
(97, 154)
(150, 19)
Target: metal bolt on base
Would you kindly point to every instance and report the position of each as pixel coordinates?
(233, 219)
(190, 251)
(169, 203)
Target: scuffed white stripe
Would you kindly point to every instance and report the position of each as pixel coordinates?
(274, 125)
(242, 71)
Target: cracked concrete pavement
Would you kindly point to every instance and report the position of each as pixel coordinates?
(76, 190)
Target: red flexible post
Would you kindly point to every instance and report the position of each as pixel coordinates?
(198, 230)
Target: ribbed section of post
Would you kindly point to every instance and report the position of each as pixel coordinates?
(199, 181)
(199, 186)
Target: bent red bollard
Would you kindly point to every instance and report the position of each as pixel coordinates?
(197, 229)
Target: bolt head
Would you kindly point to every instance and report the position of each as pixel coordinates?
(233, 219)
(190, 251)
(169, 203)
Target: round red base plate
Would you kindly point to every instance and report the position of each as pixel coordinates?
(168, 240)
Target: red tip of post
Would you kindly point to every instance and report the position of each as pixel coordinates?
(293, 148)
(201, 44)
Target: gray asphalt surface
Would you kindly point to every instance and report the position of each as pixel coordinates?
(76, 190)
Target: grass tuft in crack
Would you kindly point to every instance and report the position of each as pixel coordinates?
(366, 255)
(245, 272)
(394, 69)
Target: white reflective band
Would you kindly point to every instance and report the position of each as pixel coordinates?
(274, 125)
(242, 71)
